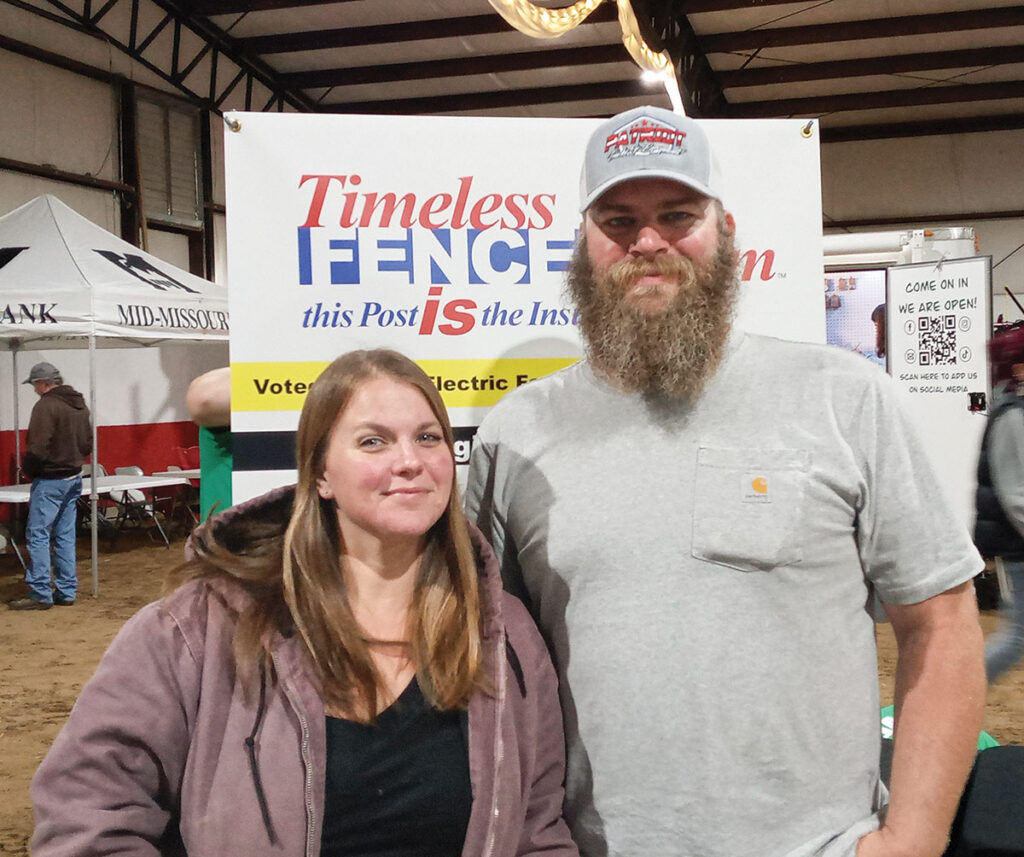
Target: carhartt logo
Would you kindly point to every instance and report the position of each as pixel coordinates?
(755, 488)
(645, 136)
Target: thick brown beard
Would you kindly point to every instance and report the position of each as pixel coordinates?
(669, 354)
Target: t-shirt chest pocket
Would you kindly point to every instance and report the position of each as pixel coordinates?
(748, 505)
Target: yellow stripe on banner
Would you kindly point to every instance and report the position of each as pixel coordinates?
(272, 386)
(481, 383)
(463, 383)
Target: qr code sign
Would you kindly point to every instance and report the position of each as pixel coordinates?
(936, 340)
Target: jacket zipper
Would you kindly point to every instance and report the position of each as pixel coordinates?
(499, 744)
(304, 725)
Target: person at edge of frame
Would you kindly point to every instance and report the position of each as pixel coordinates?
(999, 524)
(208, 400)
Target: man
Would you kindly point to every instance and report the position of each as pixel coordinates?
(59, 441)
(700, 520)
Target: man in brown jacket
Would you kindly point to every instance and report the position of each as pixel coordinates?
(59, 441)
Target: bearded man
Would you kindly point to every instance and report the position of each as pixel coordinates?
(701, 520)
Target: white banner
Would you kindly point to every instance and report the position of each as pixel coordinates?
(447, 238)
(939, 319)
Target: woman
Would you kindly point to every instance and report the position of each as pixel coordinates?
(999, 527)
(338, 674)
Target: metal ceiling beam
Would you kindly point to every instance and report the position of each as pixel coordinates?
(876, 28)
(224, 7)
(234, 7)
(59, 60)
(928, 218)
(179, 67)
(887, 65)
(882, 131)
(225, 63)
(494, 100)
(253, 69)
(665, 27)
(462, 67)
(690, 7)
(389, 35)
(47, 171)
(924, 95)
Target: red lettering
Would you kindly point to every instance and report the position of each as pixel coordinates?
(434, 205)
(430, 311)
(516, 210)
(749, 260)
(455, 311)
(460, 202)
(389, 203)
(348, 217)
(485, 205)
(546, 217)
(319, 195)
(386, 209)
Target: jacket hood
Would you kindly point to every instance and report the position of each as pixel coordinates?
(69, 395)
(268, 514)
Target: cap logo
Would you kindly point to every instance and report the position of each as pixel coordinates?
(645, 136)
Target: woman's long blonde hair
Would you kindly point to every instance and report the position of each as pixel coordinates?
(297, 575)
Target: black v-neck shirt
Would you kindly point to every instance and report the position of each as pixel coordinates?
(399, 788)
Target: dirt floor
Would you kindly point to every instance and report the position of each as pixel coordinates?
(45, 657)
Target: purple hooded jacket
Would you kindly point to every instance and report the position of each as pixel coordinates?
(166, 752)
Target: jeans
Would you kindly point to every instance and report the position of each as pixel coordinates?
(1006, 646)
(51, 511)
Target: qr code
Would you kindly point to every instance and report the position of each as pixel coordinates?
(936, 340)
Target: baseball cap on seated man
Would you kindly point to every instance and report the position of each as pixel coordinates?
(42, 372)
(647, 142)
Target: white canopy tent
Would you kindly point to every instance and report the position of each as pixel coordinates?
(67, 283)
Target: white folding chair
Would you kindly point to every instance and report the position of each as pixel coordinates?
(134, 505)
(106, 509)
(187, 499)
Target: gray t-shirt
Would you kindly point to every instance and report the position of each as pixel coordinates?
(704, 576)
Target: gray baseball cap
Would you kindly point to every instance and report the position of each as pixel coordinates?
(42, 372)
(647, 142)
